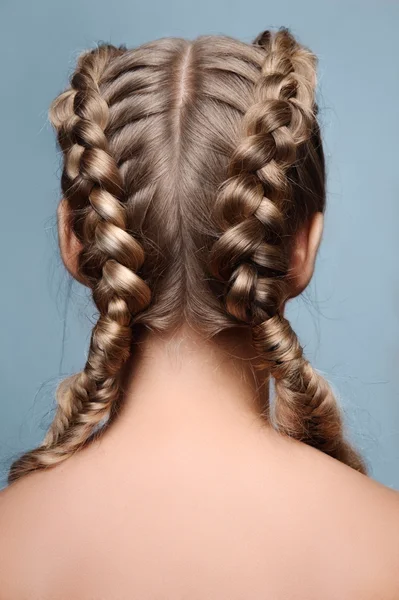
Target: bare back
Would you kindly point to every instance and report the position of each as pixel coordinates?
(248, 516)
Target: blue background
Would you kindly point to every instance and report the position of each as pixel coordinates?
(348, 319)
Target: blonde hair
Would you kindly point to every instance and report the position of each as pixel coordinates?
(188, 168)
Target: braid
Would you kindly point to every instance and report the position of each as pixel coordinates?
(109, 261)
(251, 255)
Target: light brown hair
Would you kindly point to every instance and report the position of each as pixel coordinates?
(188, 168)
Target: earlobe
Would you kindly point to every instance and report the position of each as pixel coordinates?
(315, 236)
(304, 253)
(70, 246)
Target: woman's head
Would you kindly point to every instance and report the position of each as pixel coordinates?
(193, 193)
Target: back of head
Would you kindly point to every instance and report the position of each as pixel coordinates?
(188, 168)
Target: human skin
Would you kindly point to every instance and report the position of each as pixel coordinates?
(190, 493)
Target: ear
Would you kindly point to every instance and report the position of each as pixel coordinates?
(70, 246)
(304, 253)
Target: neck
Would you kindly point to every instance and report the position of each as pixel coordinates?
(182, 382)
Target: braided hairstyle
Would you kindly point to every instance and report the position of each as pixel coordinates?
(188, 168)
(109, 261)
(252, 254)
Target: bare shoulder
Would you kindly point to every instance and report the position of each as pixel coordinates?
(359, 518)
(26, 510)
(331, 518)
(11, 542)
(356, 495)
